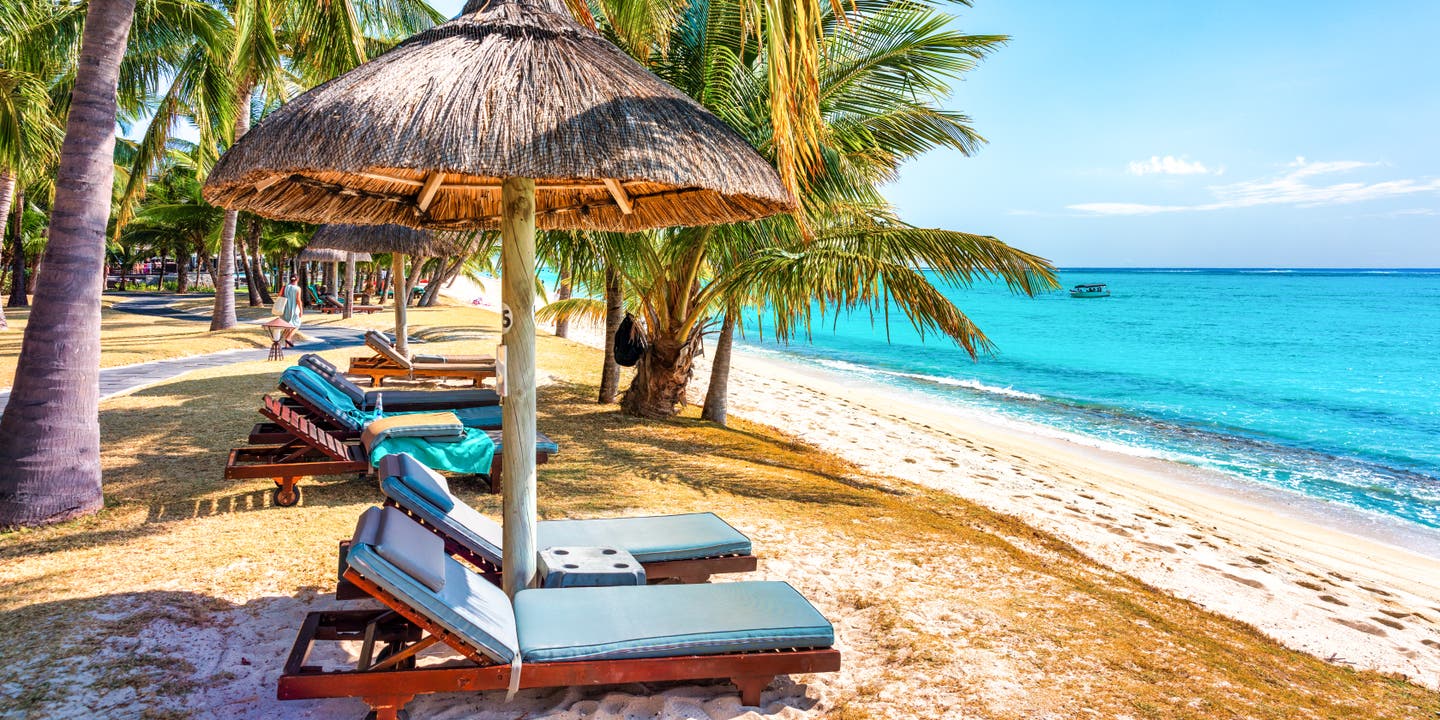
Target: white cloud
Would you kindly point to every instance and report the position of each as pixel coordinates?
(1294, 187)
(1169, 165)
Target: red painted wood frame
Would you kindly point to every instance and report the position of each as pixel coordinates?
(390, 689)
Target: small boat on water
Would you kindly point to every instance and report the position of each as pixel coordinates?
(1092, 290)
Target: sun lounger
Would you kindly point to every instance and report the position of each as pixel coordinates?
(326, 400)
(400, 400)
(332, 410)
(293, 446)
(685, 548)
(748, 632)
(387, 362)
(330, 304)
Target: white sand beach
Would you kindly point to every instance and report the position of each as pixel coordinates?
(1340, 596)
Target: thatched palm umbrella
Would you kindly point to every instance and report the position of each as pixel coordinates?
(397, 240)
(334, 258)
(510, 116)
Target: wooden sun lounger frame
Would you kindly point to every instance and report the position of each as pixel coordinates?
(378, 367)
(304, 450)
(267, 433)
(328, 306)
(390, 683)
(687, 571)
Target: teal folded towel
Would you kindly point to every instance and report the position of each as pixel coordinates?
(470, 454)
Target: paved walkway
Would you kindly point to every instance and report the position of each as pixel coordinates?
(125, 378)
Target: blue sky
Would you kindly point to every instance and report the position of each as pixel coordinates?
(1172, 134)
(1223, 133)
(1167, 133)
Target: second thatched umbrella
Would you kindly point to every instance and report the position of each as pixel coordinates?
(397, 240)
(334, 258)
(511, 116)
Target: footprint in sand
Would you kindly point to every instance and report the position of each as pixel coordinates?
(1364, 627)
(1243, 581)
(1334, 600)
(1387, 622)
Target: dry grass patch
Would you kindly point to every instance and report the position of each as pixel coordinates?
(942, 608)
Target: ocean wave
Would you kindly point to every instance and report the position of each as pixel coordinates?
(968, 384)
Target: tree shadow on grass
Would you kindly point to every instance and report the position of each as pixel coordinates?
(694, 453)
(166, 654)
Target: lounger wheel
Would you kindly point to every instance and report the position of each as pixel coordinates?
(399, 715)
(286, 496)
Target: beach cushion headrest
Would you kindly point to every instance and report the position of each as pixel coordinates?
(319, 364)
(377, 342)
(367, 528)
(436, 427)
(412, 548)
(319, 392)
(424, 482)
(351, 390)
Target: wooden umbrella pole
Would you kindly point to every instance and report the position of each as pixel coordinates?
(397, 284)
(517, 410)
(349, 285)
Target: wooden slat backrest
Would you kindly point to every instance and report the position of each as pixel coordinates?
(306, 431)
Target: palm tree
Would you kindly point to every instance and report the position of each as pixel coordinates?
(50, 430)
(175, 217)
(881, 70)
(260, 52)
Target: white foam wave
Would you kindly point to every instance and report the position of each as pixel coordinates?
(933, 379)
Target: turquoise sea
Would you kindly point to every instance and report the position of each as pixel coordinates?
(1321, 382)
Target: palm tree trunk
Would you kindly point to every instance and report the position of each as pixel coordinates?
(412, 278)
(562, 292)
(716, 394)
(257, 263)
(252, 228)
(349, 285)
(7, 194)
(437, 279)
(50, 432)
(661, 378)
(18, 283)
(614, 315)
(182, 272)
(223, 317)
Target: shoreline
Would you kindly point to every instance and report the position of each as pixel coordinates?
(1343, 595)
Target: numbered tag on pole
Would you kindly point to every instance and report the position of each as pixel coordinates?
(507, 320)
(500, 370)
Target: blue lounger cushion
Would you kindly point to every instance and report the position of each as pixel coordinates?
(407, 399)
(317, 391)
(690, 536)
(320, 365)
(598, 623)
(465, 603)
(574, 624)
(332, 399)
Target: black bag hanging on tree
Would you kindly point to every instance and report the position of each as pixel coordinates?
(629, 343)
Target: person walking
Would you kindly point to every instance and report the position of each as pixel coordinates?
(293, 310)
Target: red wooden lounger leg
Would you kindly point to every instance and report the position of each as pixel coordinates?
(388, 707)
(750, 688)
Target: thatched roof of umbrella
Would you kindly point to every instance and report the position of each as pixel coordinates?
(387, 239)
(424, 134)
(314, 254)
